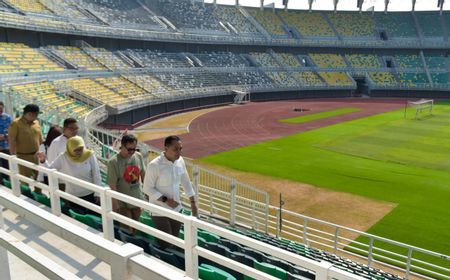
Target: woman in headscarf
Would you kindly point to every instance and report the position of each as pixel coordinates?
(81, 163)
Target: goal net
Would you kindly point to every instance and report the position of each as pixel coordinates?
(419, 109)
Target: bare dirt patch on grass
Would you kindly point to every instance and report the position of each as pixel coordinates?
(350, 210)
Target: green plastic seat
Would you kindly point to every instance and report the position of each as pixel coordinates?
(147, 220)
(41, 198)
(87, 219)
(6, 183)
(186, 212)
(219, 274)
(181, 234)
(26, 191)
(210, 237)
(270, 269)
(206, 273)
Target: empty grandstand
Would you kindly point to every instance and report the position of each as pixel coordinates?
(115, 65)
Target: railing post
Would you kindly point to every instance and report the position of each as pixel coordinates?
(190, 252)
(267, 213)
(305, 232)
(195, 180)
(119, 265)
(255, 225)
(4, 262)
(370, 256)
(277, 233)
(53, 186)
(336, 236)
(106, 207)
(14, 168)
(408, 263)
(233, 202)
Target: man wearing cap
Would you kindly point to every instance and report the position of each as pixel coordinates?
(24, 137)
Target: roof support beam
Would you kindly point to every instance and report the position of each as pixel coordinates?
(359, 4)
(310, 2)
(386, 4)
(335, 2)
(441, 5)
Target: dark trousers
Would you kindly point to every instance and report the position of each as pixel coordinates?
(167, 225)
(5, 164)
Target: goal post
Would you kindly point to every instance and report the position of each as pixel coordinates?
(419, 108)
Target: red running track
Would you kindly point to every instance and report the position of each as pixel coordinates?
(241, 125)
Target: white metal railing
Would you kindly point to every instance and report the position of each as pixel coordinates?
(322, 270)
(123, 260)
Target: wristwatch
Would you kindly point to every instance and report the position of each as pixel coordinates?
(164, 198)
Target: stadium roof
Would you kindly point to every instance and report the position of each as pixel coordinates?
(347, 5)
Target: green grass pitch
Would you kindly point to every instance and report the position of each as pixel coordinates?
(384, 157)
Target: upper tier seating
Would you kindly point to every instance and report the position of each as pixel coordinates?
(222, 59)
(69, 10)
(254, 78)
(436, 61)
(308, 24)
(288, 59)
(353, 24)
(408, 61)
(269, 20)
(159, 59)
(413, 79)
(383, 78)
(96, 91)
(430, 24)
(77, 57)
(150, 84)
(30, 6)
(336, 78)
(440, 78)
(282, 78)
(328, 60)
(264, 59)
(363, 60)
(307, 78)
(125, 88)
(120, 12)
(23, 20)
(20, 58)
(186, 14)
(45, 94)
(233, 16)
(397, 24)
(107, 58)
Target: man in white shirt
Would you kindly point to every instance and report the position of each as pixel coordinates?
(162, 182)
(58, 146)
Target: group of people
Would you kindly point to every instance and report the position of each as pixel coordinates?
(65, 151)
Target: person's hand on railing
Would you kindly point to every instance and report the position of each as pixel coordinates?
(172, 203)
(41, 156)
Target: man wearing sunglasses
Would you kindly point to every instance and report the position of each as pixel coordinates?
(126, 172)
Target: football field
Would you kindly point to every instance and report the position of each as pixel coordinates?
(383, 157)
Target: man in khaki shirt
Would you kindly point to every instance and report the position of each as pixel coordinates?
(24, 138)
